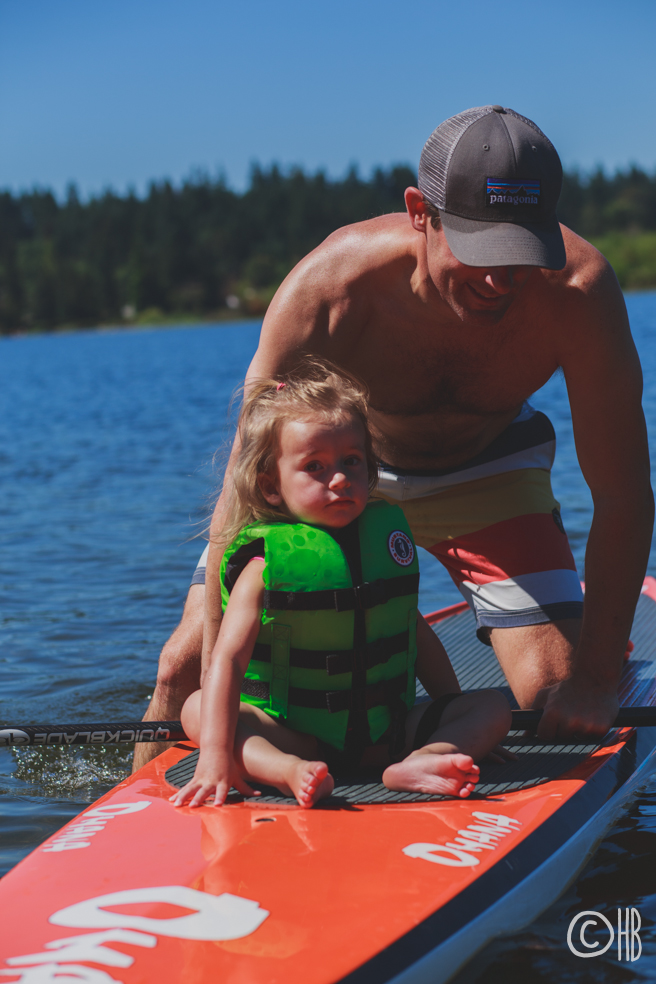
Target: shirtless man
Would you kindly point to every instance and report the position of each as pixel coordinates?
(454, 314)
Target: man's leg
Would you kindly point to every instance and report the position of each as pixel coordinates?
(536, 656)
(502, 539)
(516, 569)
(178, 674)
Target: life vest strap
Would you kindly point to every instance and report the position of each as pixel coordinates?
(279, 686)
(358, 698)
(341, 660)
(362, 596)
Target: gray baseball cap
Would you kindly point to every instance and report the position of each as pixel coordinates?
(495, 179)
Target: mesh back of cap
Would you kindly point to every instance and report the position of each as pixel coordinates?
(440, 146)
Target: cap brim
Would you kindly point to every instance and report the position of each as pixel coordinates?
(483, 244)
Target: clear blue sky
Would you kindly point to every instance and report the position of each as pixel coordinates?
(120, 91)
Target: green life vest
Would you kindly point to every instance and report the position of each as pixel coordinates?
(336, 650)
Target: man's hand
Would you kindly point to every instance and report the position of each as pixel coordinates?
(573, 709)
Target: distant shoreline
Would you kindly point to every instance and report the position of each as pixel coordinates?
(115, 327)
(202, 253)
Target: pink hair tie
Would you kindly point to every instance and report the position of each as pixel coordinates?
(279, 387)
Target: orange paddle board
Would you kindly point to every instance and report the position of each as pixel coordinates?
(136, 891)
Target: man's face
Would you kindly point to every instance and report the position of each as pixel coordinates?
(478, 296)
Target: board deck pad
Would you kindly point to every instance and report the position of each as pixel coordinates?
(537, 763)
(477, 669)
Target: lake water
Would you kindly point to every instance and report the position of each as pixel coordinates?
(107, 441)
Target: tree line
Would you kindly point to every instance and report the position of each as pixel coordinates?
(204, 250)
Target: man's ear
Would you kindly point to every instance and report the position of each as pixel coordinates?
(269, 489)
(416, 206)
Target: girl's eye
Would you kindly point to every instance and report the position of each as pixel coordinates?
(352, 460)
(313, 466)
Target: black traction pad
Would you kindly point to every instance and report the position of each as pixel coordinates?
(478, 669)
(537, 763)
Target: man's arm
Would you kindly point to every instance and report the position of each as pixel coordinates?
(604, 382)
(312, 312)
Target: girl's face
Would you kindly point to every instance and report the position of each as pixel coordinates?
(321, 472)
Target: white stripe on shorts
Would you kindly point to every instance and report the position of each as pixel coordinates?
(515, 594)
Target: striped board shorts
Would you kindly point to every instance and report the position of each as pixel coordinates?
(495, 525)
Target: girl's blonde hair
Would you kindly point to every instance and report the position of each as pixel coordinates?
(316, 390)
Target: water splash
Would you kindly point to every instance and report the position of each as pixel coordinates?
(82, 773)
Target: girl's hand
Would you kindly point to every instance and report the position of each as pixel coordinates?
(212, 778)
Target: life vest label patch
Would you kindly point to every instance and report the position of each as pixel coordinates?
(401, 548)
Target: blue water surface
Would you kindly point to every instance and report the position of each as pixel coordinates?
(107, 471)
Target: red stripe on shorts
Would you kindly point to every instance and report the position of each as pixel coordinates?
(522, 545)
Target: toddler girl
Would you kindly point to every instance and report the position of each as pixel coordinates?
(314, 666)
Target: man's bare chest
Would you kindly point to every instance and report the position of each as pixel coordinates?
(483, 373)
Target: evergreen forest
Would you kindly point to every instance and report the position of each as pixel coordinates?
(201, 250)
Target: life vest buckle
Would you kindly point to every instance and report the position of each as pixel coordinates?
(356, 700)
(371, 593)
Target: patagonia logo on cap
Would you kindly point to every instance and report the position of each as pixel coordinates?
(512, 192)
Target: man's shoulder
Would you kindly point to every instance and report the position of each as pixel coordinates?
(583, 303)
(586, 269)
(585, 293)
(360, 250)
(327, 298)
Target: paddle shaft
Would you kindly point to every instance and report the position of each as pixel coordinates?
(628, 717)
(91, 734)
(154, 731)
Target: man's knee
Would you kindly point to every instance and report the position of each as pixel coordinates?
(178, 671)
(561, 636)
(536, 656)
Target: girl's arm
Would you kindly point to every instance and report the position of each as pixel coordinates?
(433, 666)
(216, 770)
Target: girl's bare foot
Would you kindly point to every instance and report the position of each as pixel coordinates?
(451, 774)
(309, 782)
